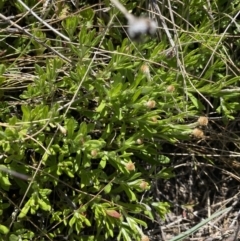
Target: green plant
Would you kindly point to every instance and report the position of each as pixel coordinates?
(93, 112)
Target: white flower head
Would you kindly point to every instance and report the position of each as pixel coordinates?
(137, 26)
(141, 26)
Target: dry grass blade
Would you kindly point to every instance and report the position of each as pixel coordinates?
(204, 222)
(15, 174)
(34, 37)
(42, 21)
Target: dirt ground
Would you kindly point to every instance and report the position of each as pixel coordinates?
(206, 180)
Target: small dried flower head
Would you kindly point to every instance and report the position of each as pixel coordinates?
(145, 69)
(139, 141)
(154, 119)
(198, 133)
(143, 185)
(145, 238)
(130, 166)
(170, 88)
(203, 121)
(151, 104)
(94, 153)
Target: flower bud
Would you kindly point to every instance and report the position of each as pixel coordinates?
(203, 121)
(139, 141)
(154, 119)
(198, 133)
(145, 238)
(151, 104)
(94, 153)
(170, 88)
(145, 69)
(130, 166)
(143, 185)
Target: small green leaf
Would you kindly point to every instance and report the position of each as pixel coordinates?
(101, 106)
(24, 210)
(70, 126)
(165, 173)
(125, 234)
(3, 229)
(70, 25)
(87, 222)
(116, 90)
(107, 188)
(135, 176)
(163, 159)
(13, 238)
(87, 13)
(130, 193)
(196, 102)
(45, 192)
(69, 172)
(72, 221)
(103, 163)
(26, 112)
(44, 205)
(4, 180)
(83, 129)
(2, 69)
(136, 95)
